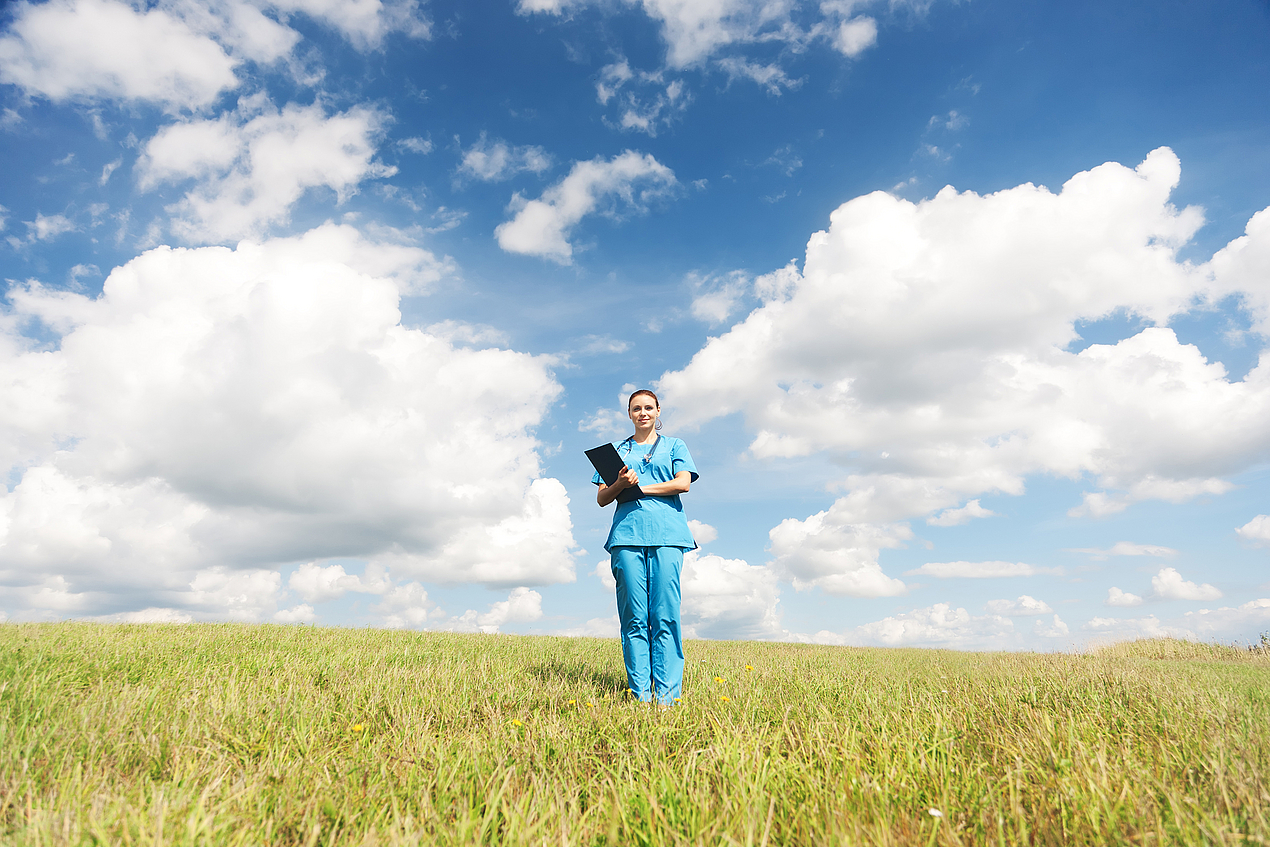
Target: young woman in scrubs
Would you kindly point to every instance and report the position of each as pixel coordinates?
(646, 546)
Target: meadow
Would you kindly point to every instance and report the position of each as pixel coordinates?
(235, 734)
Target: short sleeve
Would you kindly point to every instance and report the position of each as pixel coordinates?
(681, 460)
(596, 479)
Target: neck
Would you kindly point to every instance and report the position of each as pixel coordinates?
(643, 436)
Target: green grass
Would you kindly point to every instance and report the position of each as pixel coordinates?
(228, 734)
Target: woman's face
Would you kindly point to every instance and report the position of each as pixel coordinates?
(643, 411)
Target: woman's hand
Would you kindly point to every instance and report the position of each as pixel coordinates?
(608, 493)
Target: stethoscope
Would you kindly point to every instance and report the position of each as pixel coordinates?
(648, 457)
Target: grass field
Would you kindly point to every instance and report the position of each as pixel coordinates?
(231, 734)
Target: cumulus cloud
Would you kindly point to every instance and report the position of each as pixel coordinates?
(605, 423)
(1116, 597)
(1256, 530)
(317, 584)
(830, 551)
(930, 347)
(495, 161)
(729, 598)
(1244, 622)
(1169, 585)
(521, 606)
(1054, 629)
(939, 625)
(1025, 605)
(979, 570)
(249, 167)
(43, 228)
(68, 49)
(216, 413)
(702, 533)
(957, 517)
(717, 296)
(178, 55)
(541, 227)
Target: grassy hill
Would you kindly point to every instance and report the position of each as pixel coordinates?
(231, 734)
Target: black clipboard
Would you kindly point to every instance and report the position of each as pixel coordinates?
(610, 466)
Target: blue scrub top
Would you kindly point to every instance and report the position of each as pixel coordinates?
(652, 521)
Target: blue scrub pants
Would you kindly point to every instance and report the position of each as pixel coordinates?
(648, 608)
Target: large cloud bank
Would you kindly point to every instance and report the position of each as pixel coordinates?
(217, 413)
(931, 347)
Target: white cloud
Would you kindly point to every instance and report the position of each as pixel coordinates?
(770, 77)
(957, 517)
(496, 161)
(604, 573)
(46, 227)
(702, 533)
(1242, 268)
(1256, 530)
(422, 146)
(151, 615)
(317, 584)
(251, 166)
(696, 30)
(521, 606)
(939, 625)
(715, 297)
(979, 570)
(241, 409)
(68, 49)
(852, 37)
(829, 551)
(606, 423)
(644, 100)
(1056, 629)
(302, 613)
(925, 347)
(406, 607)
(1116, 597)
(541, 227)
(241, 595)
(365, 23)
(729, 598)
(1025, 605)
(1125, 629)
(1169, 585)
(1125, 548)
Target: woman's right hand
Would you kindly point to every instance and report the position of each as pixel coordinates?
(626, 479)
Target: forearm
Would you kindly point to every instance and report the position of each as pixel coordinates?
(607, 494)
(678, 485)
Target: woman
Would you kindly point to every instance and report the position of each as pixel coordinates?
(646, 546)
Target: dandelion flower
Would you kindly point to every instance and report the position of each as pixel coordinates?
(935, 813)
(590, 705)
(725, 699)
(749, 668)
(719, 679)
(572, 702)
(358, 727)
(678, 699)
(516, 722)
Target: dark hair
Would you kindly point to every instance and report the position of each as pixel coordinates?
(650, 394)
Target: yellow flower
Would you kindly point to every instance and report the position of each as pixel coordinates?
(725, 699)
(749, 668)
(678, 699)
(719, 679)
(358, 727)
(590, 705)
(516, 722)
(571, 702)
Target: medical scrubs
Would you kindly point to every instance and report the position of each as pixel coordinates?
(646, 546)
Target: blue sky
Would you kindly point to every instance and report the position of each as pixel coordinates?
(312, 308)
